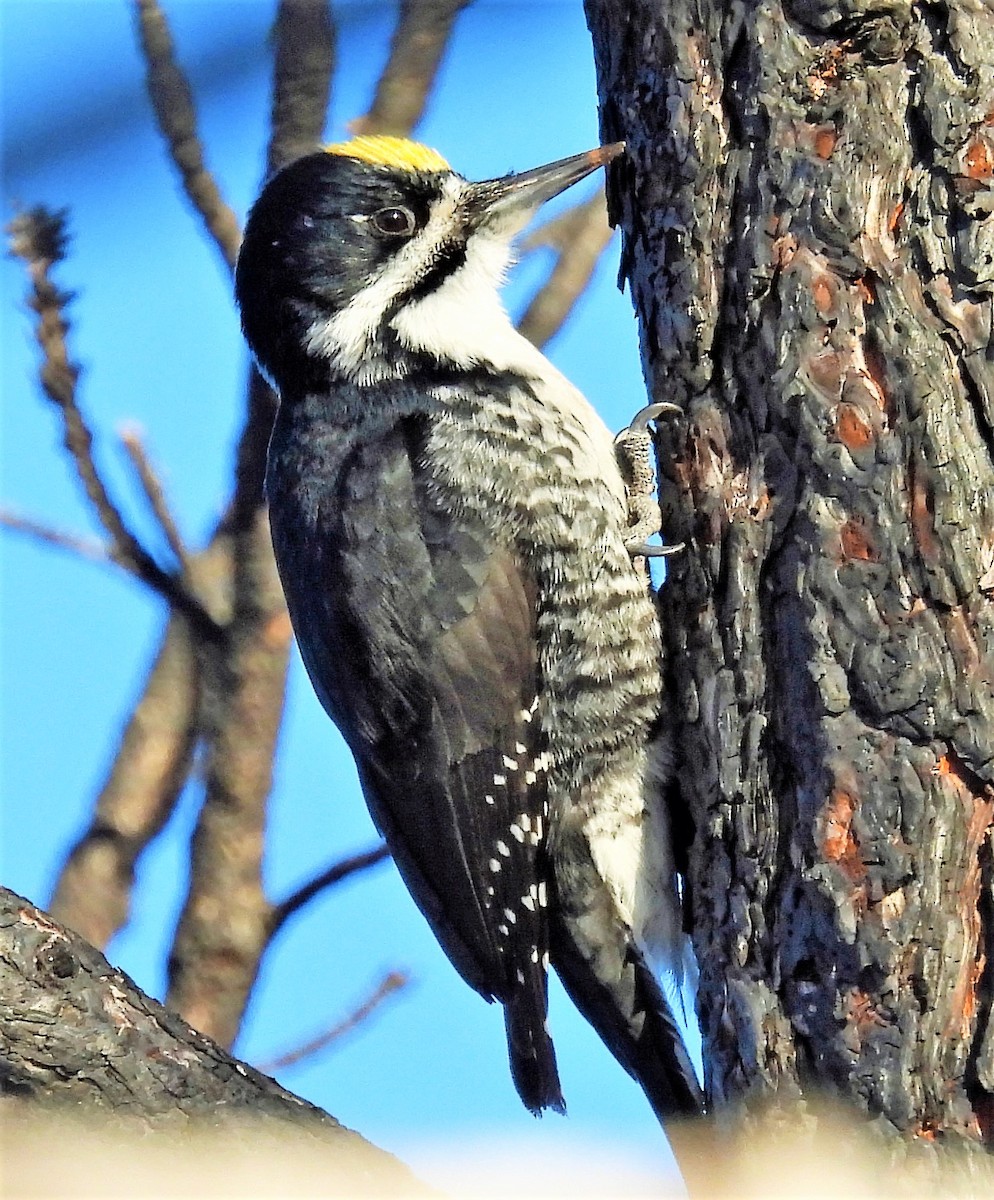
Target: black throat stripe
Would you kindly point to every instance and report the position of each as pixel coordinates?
(451, 257)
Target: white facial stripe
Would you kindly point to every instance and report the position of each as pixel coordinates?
(462, 321)
(347, 338)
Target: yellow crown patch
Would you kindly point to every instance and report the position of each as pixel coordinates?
(384, 151)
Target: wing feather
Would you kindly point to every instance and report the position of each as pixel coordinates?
(419, 636)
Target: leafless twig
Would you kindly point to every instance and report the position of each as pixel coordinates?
(85, 547)
(151, 485)
(419, 41)
(333, 875)
(38, 236)
(172, 100)
(579, 237)
(304, 37)
(393, 982)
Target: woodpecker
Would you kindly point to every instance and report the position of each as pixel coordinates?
(451, 526)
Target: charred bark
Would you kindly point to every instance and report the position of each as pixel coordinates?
(809, 241)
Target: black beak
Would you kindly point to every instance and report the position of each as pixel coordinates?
(510, 202)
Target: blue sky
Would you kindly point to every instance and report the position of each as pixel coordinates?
(156, 331)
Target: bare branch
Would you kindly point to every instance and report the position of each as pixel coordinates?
(391, 983)
(333, 875)
(579, 236)
(561, 231)
(81, 1041)
(419, 41)
(223, 930)
(93, 893)
(172, 102)
(85, 547)
(152, 488)
(38, 236)
(304, 34)
(152, 764)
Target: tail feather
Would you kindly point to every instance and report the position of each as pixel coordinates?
(530, 1048)
(636, 1023)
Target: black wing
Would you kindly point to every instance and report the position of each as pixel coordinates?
(418, 631)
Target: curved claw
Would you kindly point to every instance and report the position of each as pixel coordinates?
(647, 551)
(640, 422)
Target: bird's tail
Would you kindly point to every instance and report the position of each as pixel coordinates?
(630, 1012)
(530, 1048)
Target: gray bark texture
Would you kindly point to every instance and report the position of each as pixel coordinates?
(78, 1037)
(807, 207)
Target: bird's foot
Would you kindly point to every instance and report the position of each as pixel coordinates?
(633, 448)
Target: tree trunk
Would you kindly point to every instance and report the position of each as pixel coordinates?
(809, 241)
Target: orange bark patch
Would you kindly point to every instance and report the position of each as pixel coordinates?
(968, 1008)
(851, 428)
(977, 160)
(977, 800)
(855, 542)
(839, 844)
(895, 216)
(922, 520)
(823, 292)
(964, 641)
(876, 377)
(824, 140)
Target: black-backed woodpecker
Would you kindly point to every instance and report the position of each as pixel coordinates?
(452, 531)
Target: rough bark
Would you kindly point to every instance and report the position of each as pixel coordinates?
(809, 242)
(78, 1036)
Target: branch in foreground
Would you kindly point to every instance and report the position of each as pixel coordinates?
(392, 982)
(79, 1034)
(419, 41)
(38, 236)
(579, 238)
(172, 101)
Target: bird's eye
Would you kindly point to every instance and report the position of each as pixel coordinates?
(396, 222)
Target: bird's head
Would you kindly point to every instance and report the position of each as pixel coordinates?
(374, 252)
